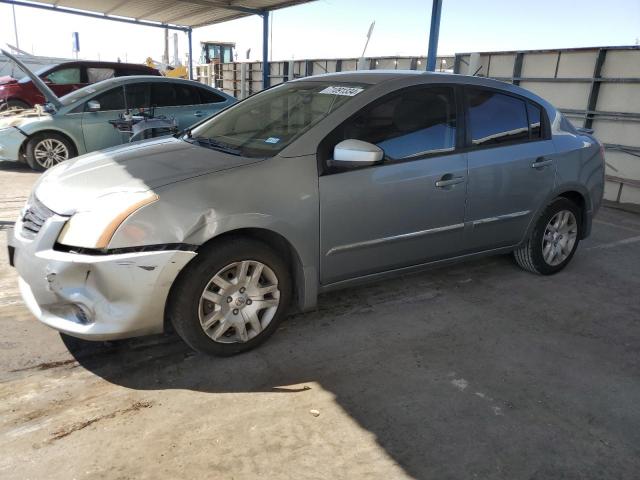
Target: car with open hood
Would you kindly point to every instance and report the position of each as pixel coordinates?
(313, 185)
(79, 122)
(63, 78)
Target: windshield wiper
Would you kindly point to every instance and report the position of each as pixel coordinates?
(216, 145)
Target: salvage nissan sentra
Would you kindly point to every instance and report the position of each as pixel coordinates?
(315, 184)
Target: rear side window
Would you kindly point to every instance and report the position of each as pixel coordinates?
(186, 95)
(163, 95)
(111, 99)
(535, 121)
(495, 118)
(98, 74)
(207, 96)
(410, 124)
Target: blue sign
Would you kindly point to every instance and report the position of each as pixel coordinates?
(76, 41)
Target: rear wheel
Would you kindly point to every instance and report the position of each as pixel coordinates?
(231, 298)
(13, 104)
(45, 150)
(554, 239)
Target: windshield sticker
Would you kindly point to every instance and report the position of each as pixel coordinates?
(344, 91)
(272, 140)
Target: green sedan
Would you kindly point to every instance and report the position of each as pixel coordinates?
(79, 122)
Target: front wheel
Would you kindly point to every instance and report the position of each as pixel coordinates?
(231, 297)
(44, 150)
(554, 239)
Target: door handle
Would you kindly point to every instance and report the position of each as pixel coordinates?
(198, 114)
(541, 162)
(448, 180)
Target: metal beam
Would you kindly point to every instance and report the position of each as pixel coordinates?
(434, 33)
(595, 88)
(265, 49)
(190, 55)
(99, 16)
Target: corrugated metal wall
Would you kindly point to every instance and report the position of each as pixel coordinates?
(596, 88)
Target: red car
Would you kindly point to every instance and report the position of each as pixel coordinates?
(62, 79)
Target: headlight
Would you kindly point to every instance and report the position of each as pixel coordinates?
(94, 227)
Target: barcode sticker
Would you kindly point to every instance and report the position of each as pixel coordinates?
(344, 91)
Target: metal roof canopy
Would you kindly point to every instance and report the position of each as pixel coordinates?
(183, 15)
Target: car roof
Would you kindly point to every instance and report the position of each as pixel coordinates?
(98, 64)
(110, 82)
(374, 77)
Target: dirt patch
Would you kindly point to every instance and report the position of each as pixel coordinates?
(66, 431)
(48, 365)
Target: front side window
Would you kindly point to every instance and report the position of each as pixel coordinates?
(111, 99)
(137, 96)
(413, 123)
(64, 76)
(266, 123)
(495, 118)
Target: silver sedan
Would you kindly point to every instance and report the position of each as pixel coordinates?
(313, 185)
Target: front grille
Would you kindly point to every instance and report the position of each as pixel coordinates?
(34, 217)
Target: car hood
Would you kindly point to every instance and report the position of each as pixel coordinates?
(37, 81)
(19, 118)
(136, 167)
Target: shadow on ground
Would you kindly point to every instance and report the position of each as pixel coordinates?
(478, 370)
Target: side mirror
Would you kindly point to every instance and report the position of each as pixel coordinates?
(353, 153)
(93, 105)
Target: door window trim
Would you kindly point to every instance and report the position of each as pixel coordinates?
(545, 128)
(458, 99)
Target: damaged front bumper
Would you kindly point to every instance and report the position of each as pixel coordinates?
(95, 297)
(11, 140)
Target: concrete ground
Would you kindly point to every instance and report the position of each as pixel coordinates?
(475, 371)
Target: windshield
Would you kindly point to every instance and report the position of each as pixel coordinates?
(38, 72)
(266, 123)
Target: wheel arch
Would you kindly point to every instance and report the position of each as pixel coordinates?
(274, 240)
(29, 136)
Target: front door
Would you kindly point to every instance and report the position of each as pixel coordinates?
(407, 210)
(511, 167)
(98, 132)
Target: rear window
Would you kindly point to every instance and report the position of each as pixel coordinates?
(495, 118)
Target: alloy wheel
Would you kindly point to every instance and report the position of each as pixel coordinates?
(49, 152)
(559, 237)
(239, 302)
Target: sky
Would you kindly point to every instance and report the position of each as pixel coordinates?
(337, 29)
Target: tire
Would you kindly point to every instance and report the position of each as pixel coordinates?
(44, 150)
(224, 311)
(14, 104)
(549, 249)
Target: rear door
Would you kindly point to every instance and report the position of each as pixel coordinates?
(98, 132)
(175, 101)
(407, 210)
(511, 166)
